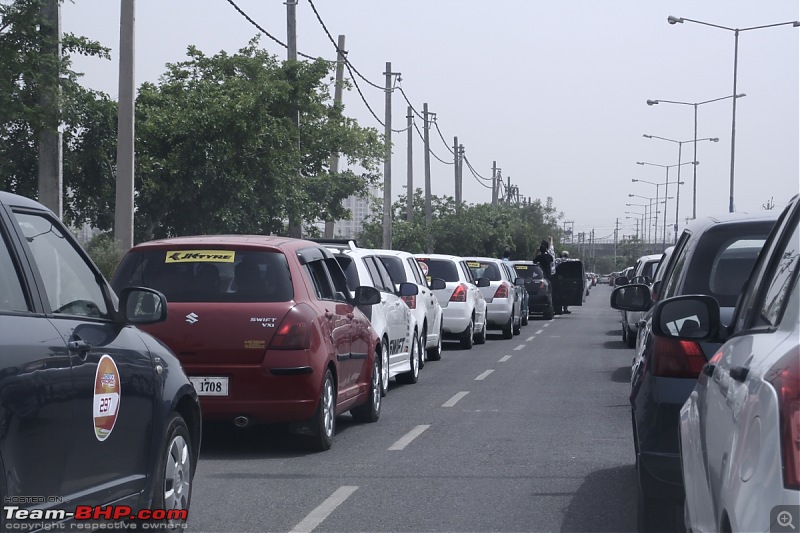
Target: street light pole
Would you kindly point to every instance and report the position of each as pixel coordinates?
(679, 20)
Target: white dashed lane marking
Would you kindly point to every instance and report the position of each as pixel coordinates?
(540, 331)
(318, 515)
(454, 400)
(484, 375)
(518, 348)
(406, 439)
(529, 339)
(504, 359)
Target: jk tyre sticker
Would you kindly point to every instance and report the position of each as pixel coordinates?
(201, 256)
(107, 395)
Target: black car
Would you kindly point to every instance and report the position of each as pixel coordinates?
(92, 410)
(713, 257)
(540, 292)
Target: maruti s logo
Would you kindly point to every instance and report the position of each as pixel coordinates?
(192, 318)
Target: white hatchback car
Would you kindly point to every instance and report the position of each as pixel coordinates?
(503, 298)
(403, 266)
(463, 304)
(391, 318)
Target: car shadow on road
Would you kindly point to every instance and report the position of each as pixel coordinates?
(621, 375)
(616, 345)
(596, 504)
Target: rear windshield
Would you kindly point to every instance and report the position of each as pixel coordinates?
(723, 260)
(208, 275)
(439, 268)
(484, 269)
(529, 271)
(395, 267)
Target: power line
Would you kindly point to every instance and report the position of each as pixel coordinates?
(431, 151)
(477, 178)
(474, 171)
(435, 123)
(409, 102)
(362, 94)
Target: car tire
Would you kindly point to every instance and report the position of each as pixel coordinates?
(423, 352)
(411, 377)
(384, 368)
(508, 329)
(548, 313)
(524, 319)
(371, 410)
(630, 338)
(480, 338)
(467, 338)
(624, 333)
(175, 469)
(517, 328)
(435, 353)
(324, 420)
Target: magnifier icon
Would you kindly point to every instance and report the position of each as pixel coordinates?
(785, 519)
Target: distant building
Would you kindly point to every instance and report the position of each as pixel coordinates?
(360, 208)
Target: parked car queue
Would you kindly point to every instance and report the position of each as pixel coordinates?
(715, 380)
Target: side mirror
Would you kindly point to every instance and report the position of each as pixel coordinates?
(641, 279)
(408, 289)
(693, 317)
(142, 305)
(437, 284)
(482, 282)
(365, 295)
(620, 281)
(631, 298)
(519, 282)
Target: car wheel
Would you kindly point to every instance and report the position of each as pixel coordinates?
(480, 338)
(423, 353)
(630, 338)
(412, 375)
(624, 333)
(508, 329)
(517, 329)
(371, 410)
(548, 313)
(175, 471)
(525, 319)
(384, 368)
(324, 422)
(467, 339)
(435, 353)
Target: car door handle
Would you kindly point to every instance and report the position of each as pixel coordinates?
(80, 346)
(708, 369)
(739, 373)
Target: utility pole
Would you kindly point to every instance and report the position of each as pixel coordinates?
(295, 228)
(337, 100)
(455, 172)
(123, 207)
(509, 192)
(494, 183)
(616, 234)
(460, 174)
(410, 166)
(387, 161)
(51, 174)
(427, 148)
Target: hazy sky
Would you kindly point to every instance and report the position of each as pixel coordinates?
(555, 91)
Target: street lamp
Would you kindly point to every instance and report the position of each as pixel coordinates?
(649, 206)
(678, 194)
(694, 104)
(666, 183)
(736, 31)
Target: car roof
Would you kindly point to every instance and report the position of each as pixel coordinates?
(702, 224)
(438, 256)
(251, 241)
(398, 253)
(651, 257)
(15, 200)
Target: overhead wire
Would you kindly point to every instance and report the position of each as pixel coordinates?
(436, 123)
(474, 171)
(431, 151)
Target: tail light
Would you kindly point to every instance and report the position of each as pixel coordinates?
(411, 301)
(677, 358)
(502, 291)
(460, 294)
(294, 331)
(542, 285)
(785, 378)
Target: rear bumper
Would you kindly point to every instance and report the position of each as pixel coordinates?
(661, 475)
(498, 312)
(455, 318)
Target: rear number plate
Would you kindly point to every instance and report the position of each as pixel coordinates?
(210, 386)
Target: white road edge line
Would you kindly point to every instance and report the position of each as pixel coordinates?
(406, 439)
(504, 359)
(529, 339)
(521, 346)
(540, 331)
(484, 375)
(454, 400)
(318, 515)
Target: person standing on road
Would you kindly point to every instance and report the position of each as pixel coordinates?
(507, 254)
(546, 258)
(564, 257)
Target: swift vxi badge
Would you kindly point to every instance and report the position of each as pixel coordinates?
(201, 256)
(106, 397)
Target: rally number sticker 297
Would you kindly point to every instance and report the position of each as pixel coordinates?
(106, 397)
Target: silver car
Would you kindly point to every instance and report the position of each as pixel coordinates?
(503, 295)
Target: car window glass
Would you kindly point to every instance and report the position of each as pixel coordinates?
(337, 277)
(386, 277)
(209, 275)
(466, 271)
(377, 279)
(319, 279)
(69, 281)
(443, 269)
(675, 266)
(415, 271)
(12, 294)
(395, 267)
(348, 266)
(649, 269)
(780, 280)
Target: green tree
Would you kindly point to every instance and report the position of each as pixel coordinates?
(218, 148)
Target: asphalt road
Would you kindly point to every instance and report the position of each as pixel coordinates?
(527, 434)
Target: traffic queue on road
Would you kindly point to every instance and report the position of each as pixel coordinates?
(715, 377)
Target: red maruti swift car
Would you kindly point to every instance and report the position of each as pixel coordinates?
(265, 327)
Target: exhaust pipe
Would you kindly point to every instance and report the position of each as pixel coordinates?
(241, 421)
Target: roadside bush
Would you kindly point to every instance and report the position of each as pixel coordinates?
(105, 252)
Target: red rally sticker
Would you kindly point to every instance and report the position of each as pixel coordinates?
(107, 395)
